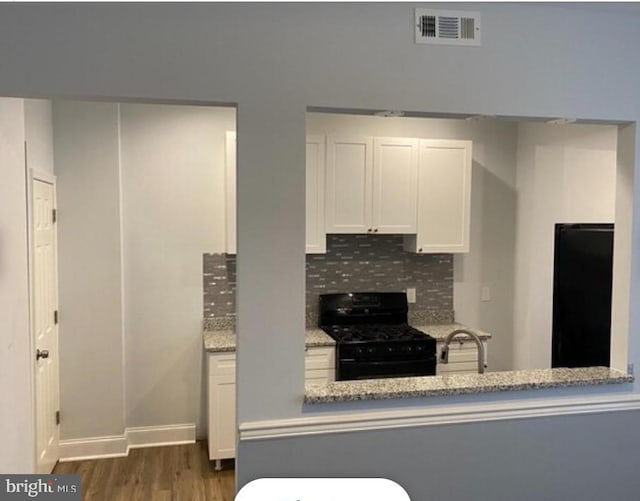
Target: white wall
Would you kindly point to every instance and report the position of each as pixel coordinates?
(622, 343)
(341, 55)
(173, 194)
(17, 453)
(490, 262)
(566, 174)
(38, 126)
(141, 198)
(90, 269)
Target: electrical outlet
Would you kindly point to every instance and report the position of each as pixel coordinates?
(485, 293)
(411, 294)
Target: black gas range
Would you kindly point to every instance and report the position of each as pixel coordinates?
(373, 338)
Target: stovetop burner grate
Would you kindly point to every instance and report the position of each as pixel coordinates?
(374, 333)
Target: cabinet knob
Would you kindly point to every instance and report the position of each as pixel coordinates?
(369, 230)
(376, 230)
(420, 249)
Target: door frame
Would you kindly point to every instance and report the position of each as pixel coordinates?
(46, 177)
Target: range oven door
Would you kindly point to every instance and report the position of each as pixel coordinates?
(351, 369)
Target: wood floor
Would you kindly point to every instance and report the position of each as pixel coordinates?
(179, 472)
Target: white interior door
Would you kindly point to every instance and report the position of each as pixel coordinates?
(45, 306)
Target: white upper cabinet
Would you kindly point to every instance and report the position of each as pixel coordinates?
(444, 197)
(315, 185)
(395, 176)
(371, 184)
(349, 184)
(316, 238)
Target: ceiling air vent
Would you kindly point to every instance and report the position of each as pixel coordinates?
(446, 27)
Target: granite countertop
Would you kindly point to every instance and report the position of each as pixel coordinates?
(225, 340)
(461, 384)
(441, 331)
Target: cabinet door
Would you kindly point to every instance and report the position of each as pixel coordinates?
(222, 406)
(349, 184)
(319, 365)
(230, 192)
(444, 196)
(316, 239)
(395, 191)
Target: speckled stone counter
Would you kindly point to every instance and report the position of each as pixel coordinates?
(441, 331)
(225, 340)
(461, 384)
(219, 341)
(317, 337)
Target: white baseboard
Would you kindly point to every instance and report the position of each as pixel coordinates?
(93, 448)
(119, 445)
(154, 436)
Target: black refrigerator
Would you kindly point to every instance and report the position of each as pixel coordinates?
(582, 284)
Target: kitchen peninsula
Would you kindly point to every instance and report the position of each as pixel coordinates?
(321, 387)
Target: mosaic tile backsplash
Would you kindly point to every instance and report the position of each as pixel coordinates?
(353, 263)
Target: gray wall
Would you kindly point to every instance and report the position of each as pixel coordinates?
(568, 458)
(38, 129)
(535, 61)
(16, 372)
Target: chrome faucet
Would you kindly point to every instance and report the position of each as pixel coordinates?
(444, 354)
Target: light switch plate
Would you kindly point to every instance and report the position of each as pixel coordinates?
(411, 294)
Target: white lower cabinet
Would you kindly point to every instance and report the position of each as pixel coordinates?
(463, 358)
(319, 367)
(222, 406)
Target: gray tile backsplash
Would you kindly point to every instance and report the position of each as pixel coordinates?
(353, 263)
(219, 285)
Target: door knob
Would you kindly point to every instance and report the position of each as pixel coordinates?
(42, 354)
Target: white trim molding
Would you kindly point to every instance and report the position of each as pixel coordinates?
(409, 418)
(93, 448)
(155, 436)
(133, 438)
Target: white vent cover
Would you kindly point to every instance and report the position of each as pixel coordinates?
(447, 27)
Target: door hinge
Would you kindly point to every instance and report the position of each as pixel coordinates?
(57, 417)
(54, 215)
(55, 317)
